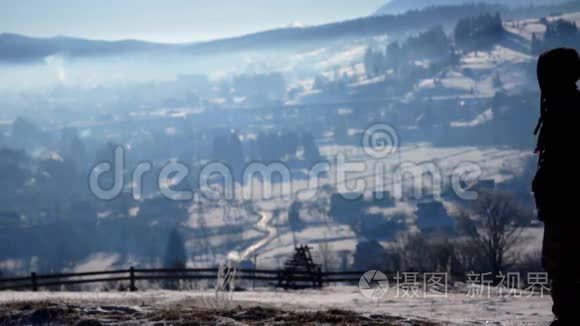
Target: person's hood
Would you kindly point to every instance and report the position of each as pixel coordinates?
(558, 71)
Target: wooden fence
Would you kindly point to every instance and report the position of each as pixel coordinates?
(36, 281)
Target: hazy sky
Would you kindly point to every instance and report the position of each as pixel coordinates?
(170, 20)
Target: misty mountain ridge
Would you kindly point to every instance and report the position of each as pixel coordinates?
(395, 7)
(20, 48)
(16, 48)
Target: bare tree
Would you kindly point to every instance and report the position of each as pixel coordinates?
(203, 242)
(416, 252)
(175, 252)
(175, 256)
(321, 206)
(494, 225)
(327, 254)
(205, 236)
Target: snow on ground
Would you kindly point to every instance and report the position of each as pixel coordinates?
(573, 17)
(458, 308)
(344, 57)
(487, 64)
(490, 159)
(477, 75)
(97, 262)
(320, 229)
(490, 60)
(526, 28)
(482, 118)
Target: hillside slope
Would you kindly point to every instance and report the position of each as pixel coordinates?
(400, 6)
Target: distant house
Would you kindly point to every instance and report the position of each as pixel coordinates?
(9, 219)
(432, 216)
(376, 226)
(347, 208)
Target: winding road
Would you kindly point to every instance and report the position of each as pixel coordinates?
(264, 226)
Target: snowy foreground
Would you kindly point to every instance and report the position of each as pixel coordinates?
(344, 305)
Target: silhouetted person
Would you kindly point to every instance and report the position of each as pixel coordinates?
(556, 185)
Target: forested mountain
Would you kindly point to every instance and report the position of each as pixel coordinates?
(400, 6)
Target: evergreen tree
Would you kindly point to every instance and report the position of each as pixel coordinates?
(560, 33)
(175, 254)
(321, 82)
(289, 141)
(24, 133)
(228, 149)
(432, 43)
(14, 170)
(478, 33)
(235, 152)
(294, 221)
(374, 62)
(497, 82)
(368, 255)
(311, 152)
(175, 257)
(394, 56)
(341, 131)
(536, 46)
(367, 62)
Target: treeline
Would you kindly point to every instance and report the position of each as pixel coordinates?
(377, 25)
(432, 43)
(361, 27)
(559, 33)
(16, 48)
(470, 34)
(478, 33)
(488, 238)
(267, 146)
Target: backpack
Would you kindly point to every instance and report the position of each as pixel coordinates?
(540, 182)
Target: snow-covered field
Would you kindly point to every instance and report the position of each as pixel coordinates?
(321, 229)
(457, 309)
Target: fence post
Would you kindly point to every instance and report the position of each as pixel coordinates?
(319, 278)
(34, 281)
(132, 287)
(255, 267)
